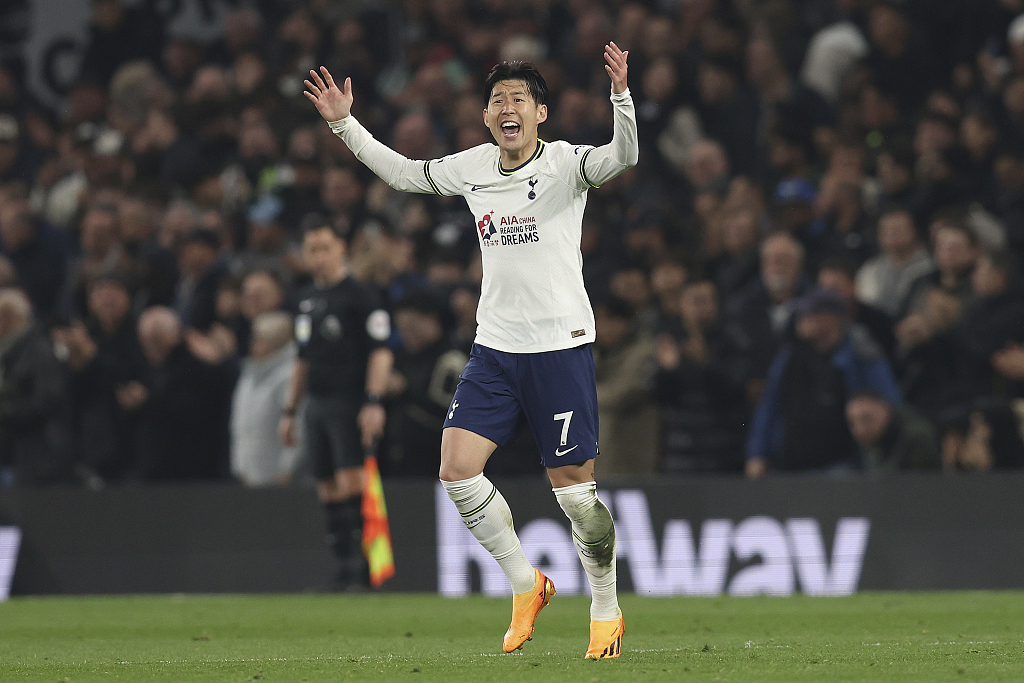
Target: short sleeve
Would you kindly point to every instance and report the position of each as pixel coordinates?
(303, 332)
(376, 320)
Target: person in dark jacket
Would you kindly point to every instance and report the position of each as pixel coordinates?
(701, 401)
(800, 422)
(758, 317)
(840, 274)
(185, 402)
(39, 254)
(201, 272)
(104, 357)
(990, 330)
(891, 437)
(34, 437)
(422, 385)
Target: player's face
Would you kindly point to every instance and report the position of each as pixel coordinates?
(513, 116)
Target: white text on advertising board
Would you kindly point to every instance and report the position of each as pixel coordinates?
(774, 557)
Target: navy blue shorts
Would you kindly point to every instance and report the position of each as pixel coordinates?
(556, 391)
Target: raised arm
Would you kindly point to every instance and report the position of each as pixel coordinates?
(604, 163)
(401, 173)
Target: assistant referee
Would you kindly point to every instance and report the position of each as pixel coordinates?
(342, 369)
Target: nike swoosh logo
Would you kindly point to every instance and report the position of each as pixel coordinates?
(475, 188)
(560, 453)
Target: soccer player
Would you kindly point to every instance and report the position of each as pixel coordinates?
(535, 324)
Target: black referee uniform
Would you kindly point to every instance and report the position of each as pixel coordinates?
(337, 328)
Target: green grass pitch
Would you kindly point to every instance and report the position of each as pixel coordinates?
(902, 637)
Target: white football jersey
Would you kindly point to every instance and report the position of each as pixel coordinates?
(529, 222)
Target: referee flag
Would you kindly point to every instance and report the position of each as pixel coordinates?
(376, 533)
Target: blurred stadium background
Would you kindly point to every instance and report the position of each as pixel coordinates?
(161, 154)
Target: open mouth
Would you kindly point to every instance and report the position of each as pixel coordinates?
(510, 129)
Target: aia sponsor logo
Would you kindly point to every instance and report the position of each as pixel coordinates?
(486, 227)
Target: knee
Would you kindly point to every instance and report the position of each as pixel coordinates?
(447, 472)
(463, 454)
(453, 470)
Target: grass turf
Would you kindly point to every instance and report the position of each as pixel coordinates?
(904, 637)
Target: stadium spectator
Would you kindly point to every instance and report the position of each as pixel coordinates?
(267, 245)
(17, 163)
(890, 437)
(914, 111)
(839, 273)
(985, 437)
(104, 358)
(156, 265)
(846, 229)
(738, 263)
(955, 249)
(758, 317)
(623, 359)
(38, 253)
(888, 281)
(702, 405)
(119, 34)
(798, 121)
(201, 272)
(260, 292)
(100, 252)
(927, 363)
(34, 432)
(800, 421)
(185, 405)
(258, 458)
(422, 385)
(997, 282)
(899, 56)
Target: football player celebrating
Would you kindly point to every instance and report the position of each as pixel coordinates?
(535, 324)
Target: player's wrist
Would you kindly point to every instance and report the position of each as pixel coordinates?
(373, 399)
(339, 125)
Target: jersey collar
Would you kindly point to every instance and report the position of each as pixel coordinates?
(536, 153)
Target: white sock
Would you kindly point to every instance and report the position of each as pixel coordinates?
(593, 534)
(489, 518)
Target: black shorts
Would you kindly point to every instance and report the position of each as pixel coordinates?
(331, 434)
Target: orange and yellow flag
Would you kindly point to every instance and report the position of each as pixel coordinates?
(376, 532)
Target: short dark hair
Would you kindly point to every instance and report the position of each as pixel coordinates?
(419, 301)
(313, 223)
(203, 236)
(518, 71)
(841, 263)
(953, 219)
(870, 394)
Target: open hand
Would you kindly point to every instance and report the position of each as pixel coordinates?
(616, 66)
(332, 102)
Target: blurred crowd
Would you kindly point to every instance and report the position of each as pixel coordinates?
(815, 266)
